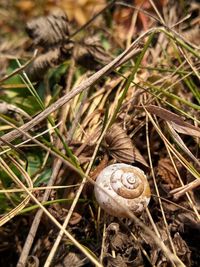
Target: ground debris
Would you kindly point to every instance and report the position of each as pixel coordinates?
(182, 249)
(119, 248)
(73, 260)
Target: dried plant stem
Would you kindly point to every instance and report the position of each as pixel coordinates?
(103, 243)
(175, 153)
(33, 230)
(51, 255)
(4, 165)
(158, 194)
(59, 237)
(56, 168)
(67, 163)
(157, 12)
(39, 188)
(27, 140)
(178, 192)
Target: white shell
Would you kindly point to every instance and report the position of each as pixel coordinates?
(127, 185)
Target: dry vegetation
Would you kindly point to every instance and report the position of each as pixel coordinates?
(84, 86)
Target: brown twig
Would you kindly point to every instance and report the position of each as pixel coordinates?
(178, 192)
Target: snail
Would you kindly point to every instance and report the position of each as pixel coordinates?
(124, 184)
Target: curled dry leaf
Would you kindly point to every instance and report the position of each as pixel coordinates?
(50, 30)
(76, 218)
(48, 60)
(95, 48)
(120, 146)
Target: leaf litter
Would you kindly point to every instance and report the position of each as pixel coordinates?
(112, 241)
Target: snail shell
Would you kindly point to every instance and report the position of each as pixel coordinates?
(124, 184)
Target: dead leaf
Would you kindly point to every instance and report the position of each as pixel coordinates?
(75, 218)
(110, 261)
(182, 250)
(120, 146)
(189, 221)
(186, 129)
(178, 123)
(50, 30)
(127, 254)
(50, 59)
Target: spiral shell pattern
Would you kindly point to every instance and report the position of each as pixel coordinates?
(122, 185)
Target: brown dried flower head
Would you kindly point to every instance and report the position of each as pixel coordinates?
(119, 144)
(48, 31)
